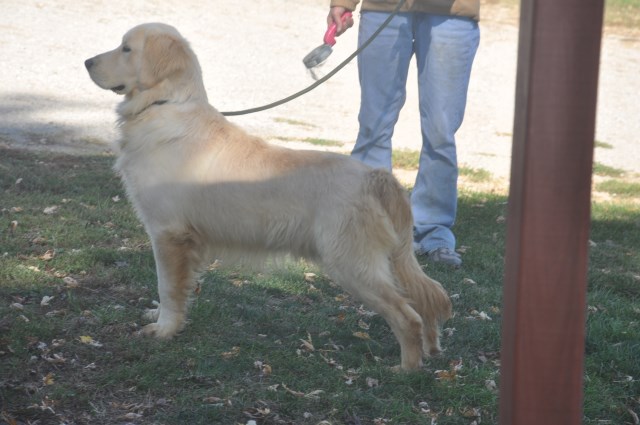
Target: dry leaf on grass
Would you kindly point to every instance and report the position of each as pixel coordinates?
(48, 379)
(452, 374)
(230, 354)
(85, 339)
(46, 300)
(307, 344)
(491, 385)
(70, 282)
(363, 325)
(217, 401)
(51, 210)
(264, 368)
(362, 335)
(478, 315)
(313, 395)
(48, 256)
(341, 297)
(56, 358)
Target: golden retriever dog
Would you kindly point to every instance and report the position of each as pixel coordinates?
(205, 190)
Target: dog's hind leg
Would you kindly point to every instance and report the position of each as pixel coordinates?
(176, 264)
(426, 295)
(372, 283)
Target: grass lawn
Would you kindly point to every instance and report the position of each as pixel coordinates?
(287, 347)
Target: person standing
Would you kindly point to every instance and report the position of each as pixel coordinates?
(444, 37)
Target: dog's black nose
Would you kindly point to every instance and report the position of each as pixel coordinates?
(88, 63)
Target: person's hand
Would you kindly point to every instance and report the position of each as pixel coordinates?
(335, 15)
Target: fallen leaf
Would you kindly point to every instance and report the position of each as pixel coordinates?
(478, 315)
(212, 400)
(292, 392)
(484, 316)
(314, 395)
(48, 256)
(362, 335)
(51, 210)
(131, 416)
(363, 325)
(48, 380)
(57, 358)
(471, 412)
(264, 368)
(230, 354)
(310, 277)
(85, 339)
(46, 300)
(445, 375)
(308, 344)
(70, 282)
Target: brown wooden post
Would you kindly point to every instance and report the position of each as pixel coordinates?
(549, 212)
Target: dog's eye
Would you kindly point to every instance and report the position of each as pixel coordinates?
(126, 49)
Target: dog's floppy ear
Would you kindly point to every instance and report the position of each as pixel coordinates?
(163, 56)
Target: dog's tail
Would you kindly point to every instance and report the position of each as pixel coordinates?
(426, 295)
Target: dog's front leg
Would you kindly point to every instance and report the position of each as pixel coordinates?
(175, 258)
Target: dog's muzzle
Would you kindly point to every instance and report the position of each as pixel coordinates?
(89, 63)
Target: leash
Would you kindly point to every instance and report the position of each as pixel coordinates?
(326, 77)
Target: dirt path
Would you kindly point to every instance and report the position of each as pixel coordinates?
(253, 56)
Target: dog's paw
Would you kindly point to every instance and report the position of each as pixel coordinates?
(157, 331)
(152, 314)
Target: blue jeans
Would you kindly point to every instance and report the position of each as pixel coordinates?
(445, 47)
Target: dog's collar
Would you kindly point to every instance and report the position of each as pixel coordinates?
(156, 103)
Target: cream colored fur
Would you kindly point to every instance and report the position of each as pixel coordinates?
(206, 190)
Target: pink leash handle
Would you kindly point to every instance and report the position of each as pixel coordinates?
(330, 35)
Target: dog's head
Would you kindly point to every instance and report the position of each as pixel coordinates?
(153, 63)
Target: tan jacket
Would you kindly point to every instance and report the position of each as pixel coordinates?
(466, 8)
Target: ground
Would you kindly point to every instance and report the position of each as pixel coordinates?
(252, 56)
